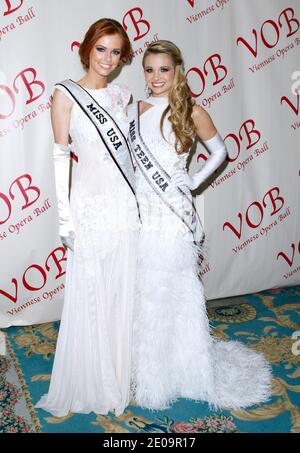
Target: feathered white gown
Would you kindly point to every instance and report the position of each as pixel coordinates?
(174, 354)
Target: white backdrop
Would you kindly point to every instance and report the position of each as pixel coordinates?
(242, 62)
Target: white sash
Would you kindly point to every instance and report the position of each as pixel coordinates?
(108, 130)
(159, 180)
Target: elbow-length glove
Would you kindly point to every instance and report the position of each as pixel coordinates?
(61, 157)
(218, 153)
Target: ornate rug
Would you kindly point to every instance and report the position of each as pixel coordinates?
(268, 322)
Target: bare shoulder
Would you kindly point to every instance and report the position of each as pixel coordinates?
(200, 114)
(61, 100)
(144, 106)
(204, 125)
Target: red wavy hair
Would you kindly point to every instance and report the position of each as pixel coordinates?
(101, 28)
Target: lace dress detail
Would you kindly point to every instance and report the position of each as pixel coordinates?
(91, 370)
(174, 354)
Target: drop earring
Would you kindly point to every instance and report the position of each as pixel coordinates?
(147, 90)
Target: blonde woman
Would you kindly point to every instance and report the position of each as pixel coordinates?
(174, 354)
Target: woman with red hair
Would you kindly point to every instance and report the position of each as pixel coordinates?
(91, 370)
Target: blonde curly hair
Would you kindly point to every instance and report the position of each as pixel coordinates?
(180, 100)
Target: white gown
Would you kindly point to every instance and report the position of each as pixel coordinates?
(91, 370)
(174, 354)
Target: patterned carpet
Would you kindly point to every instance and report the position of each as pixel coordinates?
(268, 322)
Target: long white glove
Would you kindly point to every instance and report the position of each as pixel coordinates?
(61, 156)
(218, 153)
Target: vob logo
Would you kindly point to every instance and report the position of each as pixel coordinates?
(35, 276)
(213, 67)
(134, 18)
(270, 31)
(256, 211)
(25, 191)
(12, 6)
(290, 259)
(26, 79)
(294, 107)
